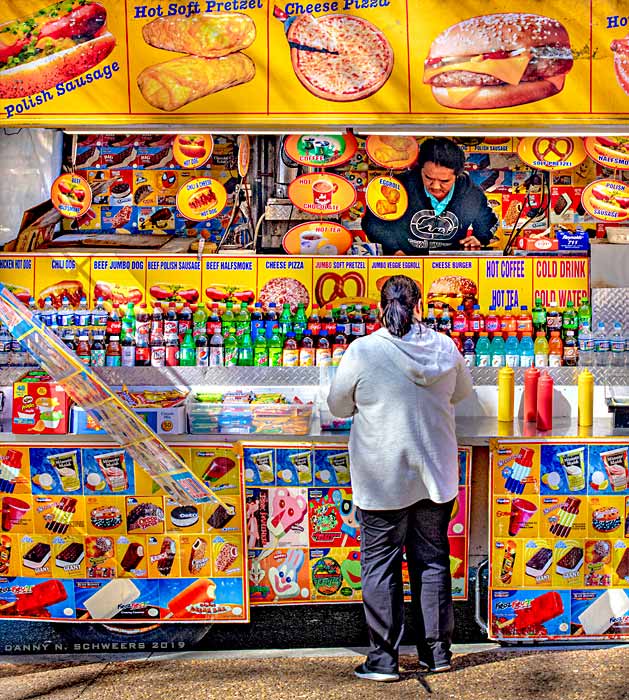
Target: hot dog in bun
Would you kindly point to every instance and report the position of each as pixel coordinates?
(498, 60)
(620, 47)
(609, 202)
(54, 45)
(448, 292)
(614, 147)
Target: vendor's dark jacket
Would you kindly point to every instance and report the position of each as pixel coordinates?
(421, 230)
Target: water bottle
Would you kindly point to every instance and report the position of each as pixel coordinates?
(617, 346)
(586, 344)
(5, 346)
(512, 351)
(65, 315)
(601, 346)
(48, 314)
(527, 351)
(82, 315)
(497, 351)
(99, 314)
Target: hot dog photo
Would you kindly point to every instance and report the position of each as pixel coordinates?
(53, 45)
(607, 200)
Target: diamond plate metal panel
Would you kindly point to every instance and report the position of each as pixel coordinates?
(611, 305)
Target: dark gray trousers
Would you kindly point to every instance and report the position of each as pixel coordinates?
(423, 530)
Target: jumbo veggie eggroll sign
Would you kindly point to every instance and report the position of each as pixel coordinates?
(272, 62)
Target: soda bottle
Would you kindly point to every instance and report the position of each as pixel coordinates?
(228, 320)
(524, 322)
(459, 321)
(541, 349)
(97, 351)
(260, 351)
(527, 351)
(476, 322)
(538, 314)
(275, 347)
(328, 322)
(187, 350)
(357, 325)
(99, 314)
(157, 319)
(127, 351)
(245, 349)
(257, 323)
(65, 315)
(300, 321)
(217, 349)
(444, 324)
(271, 322)
(114, 324)
(601, 346)
(213, 324)
(171, 358)
(555, 349)
(497, 351)
(230, 350)
(512, 350)
(586, 344)
(508, 323)
(571, 350)
(158, 350)
(570, 319)
(492, 322)
(314, 322)
(584, 313)
(554, 319)
(199, 320)
(49, 315)
(202, 352)
(184, 322)
(431, 320)
(112, 352)
(128, 321)
(343, 323)
(83, 349)
(617, 346)
(82, 315)
(142, 326)
(483, 350)
(469, 349)
(323, 353)
(456, 339)
(142, 351)
(339, 346)
(371, 322)
(286, 320)
(243, 321)
(307, 350)
(171, 323)
(67, 338)
(290, 352)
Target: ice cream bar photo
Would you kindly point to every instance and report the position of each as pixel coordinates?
(570, 562)
(41, 596)
(600, 615)
(132, 557)
(70, 556)
(201, 591)
(37, 556)
(111, 598)
(542, 609)
(538, 564)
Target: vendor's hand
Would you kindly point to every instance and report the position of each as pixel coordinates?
(471, 243)
(400, 252)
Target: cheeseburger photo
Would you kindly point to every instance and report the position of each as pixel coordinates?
(498, 60)
(449, 291)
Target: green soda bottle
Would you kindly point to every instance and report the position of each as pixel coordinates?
(260, 351)
(570, 320)
(300, 321)
(199, 319)
(584, 313)
(230, 346)
(243, 321)
(538, 313)
(245, 349)
(286, 320)
(228, 320)
(188, 350)
(128, 321)
(275, 348)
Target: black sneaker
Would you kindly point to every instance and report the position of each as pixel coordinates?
(441, 667)
(366, 674)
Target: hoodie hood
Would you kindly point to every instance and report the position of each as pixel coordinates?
(423, 355)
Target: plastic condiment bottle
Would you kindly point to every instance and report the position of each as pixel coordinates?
(586, 398)
(531, 379)
(505, 394)
(545, 387)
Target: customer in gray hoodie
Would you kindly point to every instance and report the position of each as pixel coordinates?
(400, 385)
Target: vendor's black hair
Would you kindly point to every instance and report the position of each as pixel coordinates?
(398, 298)
(442, 151)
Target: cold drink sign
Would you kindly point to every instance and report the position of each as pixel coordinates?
(322, 193)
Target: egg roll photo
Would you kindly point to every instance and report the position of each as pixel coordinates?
(175, 83)
(209, 35)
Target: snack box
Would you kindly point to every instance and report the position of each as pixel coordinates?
(240, 414)
(330, 422)
(40, 405)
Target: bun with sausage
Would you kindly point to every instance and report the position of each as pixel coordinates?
(620, 47)
(498, 60)
(54, 45)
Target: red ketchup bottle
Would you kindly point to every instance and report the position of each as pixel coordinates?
(531, 379)
(545, 387)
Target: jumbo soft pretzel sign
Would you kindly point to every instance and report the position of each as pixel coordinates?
(254, 62)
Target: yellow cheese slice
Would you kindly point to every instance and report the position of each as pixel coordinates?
(508, 70)
(458, 94)
(557, 81)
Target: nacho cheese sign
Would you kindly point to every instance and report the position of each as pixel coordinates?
(364, 61)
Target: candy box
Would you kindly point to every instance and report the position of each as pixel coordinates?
(40, 405)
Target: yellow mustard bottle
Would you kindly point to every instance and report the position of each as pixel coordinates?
(506, 392)
(585, 385)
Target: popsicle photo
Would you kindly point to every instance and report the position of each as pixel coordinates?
(27, 597)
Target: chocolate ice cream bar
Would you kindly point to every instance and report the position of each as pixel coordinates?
(220, 517)
(622, 570)
(132, 557)
(37, 556)
(70, 556)
(571, 562)
(538, 564)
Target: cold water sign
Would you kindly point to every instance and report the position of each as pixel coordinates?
(560, 280)
(505, 282)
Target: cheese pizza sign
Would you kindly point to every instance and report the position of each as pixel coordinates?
(255, 62)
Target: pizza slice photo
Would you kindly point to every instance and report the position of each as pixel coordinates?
(339, 58)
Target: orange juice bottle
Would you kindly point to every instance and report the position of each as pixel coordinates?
(555, 349)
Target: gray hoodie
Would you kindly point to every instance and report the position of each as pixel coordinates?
(401, 393)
